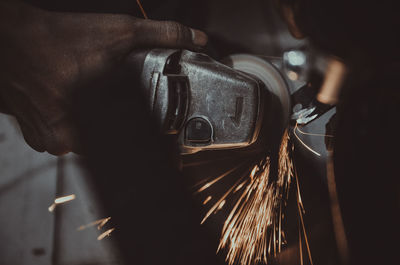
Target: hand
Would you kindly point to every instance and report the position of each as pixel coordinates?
(45, 55)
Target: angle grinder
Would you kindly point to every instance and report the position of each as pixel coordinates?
(212, 105)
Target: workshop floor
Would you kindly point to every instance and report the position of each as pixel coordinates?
(29, 183)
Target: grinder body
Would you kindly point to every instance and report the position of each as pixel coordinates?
(211, 105)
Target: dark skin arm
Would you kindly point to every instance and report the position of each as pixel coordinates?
(45, 55)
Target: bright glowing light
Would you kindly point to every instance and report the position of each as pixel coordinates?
(65, 199)
(207, 200)
(292, 75)
(61, 200)
(303, 143)
(221, 205)
(100, 223)
(296, 58)
(106, 233)
(252, 232)
(103, 222)
(52, 207)
(209, 184)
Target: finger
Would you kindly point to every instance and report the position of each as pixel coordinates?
(168, 34)
(57, 138)
(55, 141)
(61, 138)
(31, 136)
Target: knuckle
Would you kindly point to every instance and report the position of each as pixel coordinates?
(58, 142)
(127, 21)
(30, 135)
(174, 31)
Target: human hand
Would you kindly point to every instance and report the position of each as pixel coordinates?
(45, 55)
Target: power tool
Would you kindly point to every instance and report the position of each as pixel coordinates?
(213, 105)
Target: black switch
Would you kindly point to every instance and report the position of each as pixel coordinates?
(198, 131)
(172, 65)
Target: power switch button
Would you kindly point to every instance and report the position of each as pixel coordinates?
(198, 131)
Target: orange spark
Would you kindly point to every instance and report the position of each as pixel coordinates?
(100, 222)
(337, 219)
(106, 233)
(221, 205)
(253, 229)
(61, 200)
(103, 222)
(209, 184)
(207, 200)
(301, 211)
(52, 207)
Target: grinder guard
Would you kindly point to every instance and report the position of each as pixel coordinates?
(210, 105)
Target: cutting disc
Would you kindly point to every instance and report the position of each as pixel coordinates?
(266, 72)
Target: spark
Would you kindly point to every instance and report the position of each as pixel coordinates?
(301, 141)
(61, 200)
(207, 200)
(253, 172)
(314, 134)
(65, 199)
(302, 228)
(201, 182)
(338, 226)
(221, 205)
(52, 207)
(105, 234)
(100, 223)
(103, 222)
(239, 187)
(300, 244)
(217, 204)
(142, 9)
(252, 231)
(245, 228)
(209, 184)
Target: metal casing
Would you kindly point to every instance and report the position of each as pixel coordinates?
(209, 94)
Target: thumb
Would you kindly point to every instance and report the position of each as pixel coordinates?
(168, 34)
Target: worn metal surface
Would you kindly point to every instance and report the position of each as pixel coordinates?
(210, 105)
(224, 105)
